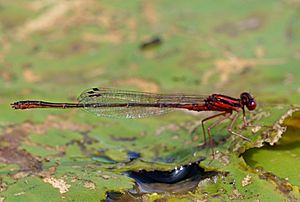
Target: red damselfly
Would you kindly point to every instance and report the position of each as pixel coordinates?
(131, 104)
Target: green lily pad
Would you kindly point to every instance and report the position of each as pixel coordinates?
(277, 158)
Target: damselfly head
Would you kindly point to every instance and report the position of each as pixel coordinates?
(248, 101)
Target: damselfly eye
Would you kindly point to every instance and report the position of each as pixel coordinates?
(251, 105)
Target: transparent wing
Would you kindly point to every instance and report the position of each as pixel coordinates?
(131, 104)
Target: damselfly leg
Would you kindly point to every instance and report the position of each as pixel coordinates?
(224, 116)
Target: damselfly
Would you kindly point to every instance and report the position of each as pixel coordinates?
(131, 104)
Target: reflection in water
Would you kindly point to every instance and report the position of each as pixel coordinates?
(179, 180)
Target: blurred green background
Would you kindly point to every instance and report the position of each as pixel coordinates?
(53, 50)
